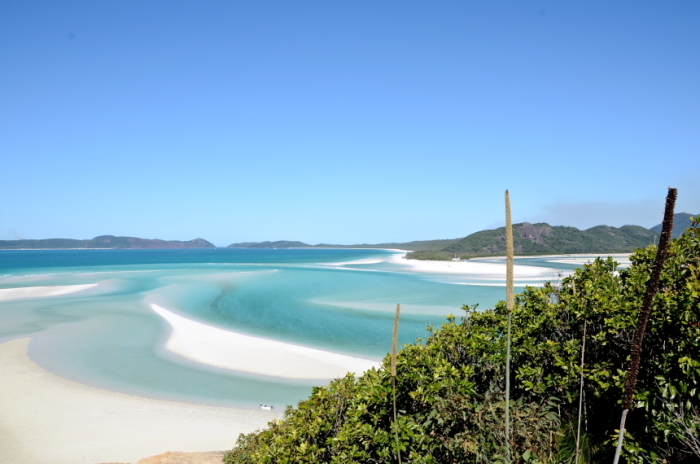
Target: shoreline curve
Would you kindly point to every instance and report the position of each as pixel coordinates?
(245, 353)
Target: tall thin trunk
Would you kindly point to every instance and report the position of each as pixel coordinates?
(509, 307)
(644, 313)
(580, 393)
(394, 340)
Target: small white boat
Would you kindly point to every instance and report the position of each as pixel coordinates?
(266, 407)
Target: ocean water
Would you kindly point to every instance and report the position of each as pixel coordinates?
(339, 300)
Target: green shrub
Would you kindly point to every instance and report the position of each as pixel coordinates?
(450, 388)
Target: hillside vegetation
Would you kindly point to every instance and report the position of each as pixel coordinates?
(104, 241)
(542, 238)
(681, 221)
(529, 239)
(450, 387)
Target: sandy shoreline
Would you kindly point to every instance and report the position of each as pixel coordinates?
(488, 273)
(494, 273)
(230, 350)
(38, 292)
(570, 255)
(46, 419)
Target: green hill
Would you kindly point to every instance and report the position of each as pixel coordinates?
(103, 241)
(541, 238)
(681, 221)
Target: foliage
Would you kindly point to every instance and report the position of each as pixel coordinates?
(430, 255)
(450, 388)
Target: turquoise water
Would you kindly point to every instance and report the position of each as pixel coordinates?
(109, 337)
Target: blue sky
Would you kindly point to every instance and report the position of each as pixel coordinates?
(343, 122)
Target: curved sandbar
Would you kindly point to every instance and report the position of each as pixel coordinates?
(230, 350)
(36, 292)
(477, 270)
(46, 419)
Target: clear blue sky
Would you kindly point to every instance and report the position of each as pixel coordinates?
(343, 122)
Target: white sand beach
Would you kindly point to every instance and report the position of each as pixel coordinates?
(477, 270)
(623, 259)
(358, 262)
(36, 292)
(46, 419)
(230, 350)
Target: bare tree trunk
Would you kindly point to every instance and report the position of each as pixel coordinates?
(644, 313)
(509, 307)
(394, 339)
(580, 393)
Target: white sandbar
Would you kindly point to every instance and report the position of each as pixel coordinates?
(486, 271)
(46, 419)
(623, 259)
(36, 292)
(358, 261)
(239, 352)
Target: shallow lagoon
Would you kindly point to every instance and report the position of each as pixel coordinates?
(339, 300)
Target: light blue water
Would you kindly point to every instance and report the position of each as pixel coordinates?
(109, 337)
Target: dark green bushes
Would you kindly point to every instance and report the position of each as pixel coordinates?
(450, 388)
(430, 255)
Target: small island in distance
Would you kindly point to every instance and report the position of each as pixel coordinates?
(103, 241)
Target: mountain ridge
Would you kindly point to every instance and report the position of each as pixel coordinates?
(538, 238)
(681, 221)
(542, 238)
(529, 239)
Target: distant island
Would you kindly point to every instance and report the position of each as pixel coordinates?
(529, 239)
(104, 241)
(416, 245)
(277, 244)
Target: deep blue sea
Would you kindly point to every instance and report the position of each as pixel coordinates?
(339, 300)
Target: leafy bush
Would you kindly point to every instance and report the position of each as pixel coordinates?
(430, 255)
(450, 388)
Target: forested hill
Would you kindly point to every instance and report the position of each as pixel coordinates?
(542, 238)
(529, 238)
(681, 221)
(104, 241)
